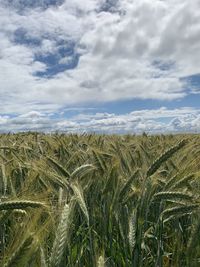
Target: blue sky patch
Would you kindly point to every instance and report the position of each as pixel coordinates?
(22, 37)
(56, 62)
(193, 82)
(23, 5)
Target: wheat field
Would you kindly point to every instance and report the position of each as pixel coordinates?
(99, 200)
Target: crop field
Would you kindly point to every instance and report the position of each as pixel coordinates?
(99, 200)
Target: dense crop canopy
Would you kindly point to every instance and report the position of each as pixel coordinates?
(99, 200)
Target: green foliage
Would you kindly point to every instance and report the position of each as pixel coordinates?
(17, 258)
(99, 200)
(20, 204)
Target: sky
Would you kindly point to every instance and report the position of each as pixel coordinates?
(111, 66)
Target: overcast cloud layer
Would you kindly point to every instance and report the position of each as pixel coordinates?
(63, 53)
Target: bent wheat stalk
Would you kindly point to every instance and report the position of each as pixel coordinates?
(165, 156)
(20, 204)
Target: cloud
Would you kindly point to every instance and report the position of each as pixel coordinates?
(55, 54)
(161, 120)
(32, 115)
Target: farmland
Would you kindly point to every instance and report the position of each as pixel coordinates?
(99, 200)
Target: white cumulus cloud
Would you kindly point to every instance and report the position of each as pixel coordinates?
(127, 49)
(160, 120)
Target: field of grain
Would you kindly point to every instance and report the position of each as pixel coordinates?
(99, 200)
